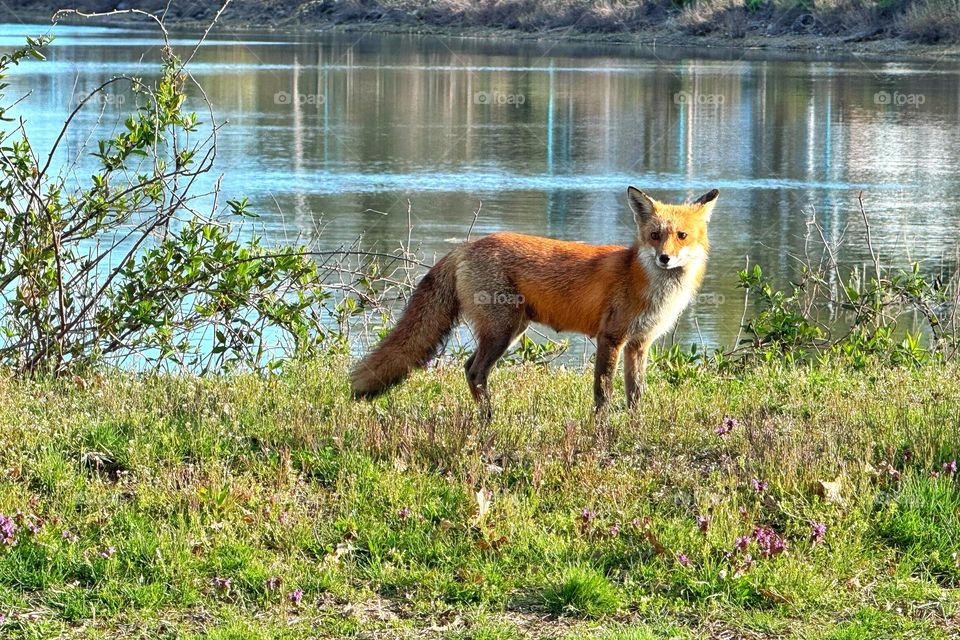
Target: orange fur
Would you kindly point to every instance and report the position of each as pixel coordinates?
(623, 296)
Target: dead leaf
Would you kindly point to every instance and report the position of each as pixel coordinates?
(831, 492)
(774, 596)
(658, 547)
(483, 504)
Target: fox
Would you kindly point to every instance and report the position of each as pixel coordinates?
(623, 296)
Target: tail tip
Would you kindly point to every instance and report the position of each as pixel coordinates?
(362, 388)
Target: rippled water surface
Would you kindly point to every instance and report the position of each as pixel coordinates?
(333, 134)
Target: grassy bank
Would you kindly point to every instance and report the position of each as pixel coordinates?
(859, 25)
(277, 508)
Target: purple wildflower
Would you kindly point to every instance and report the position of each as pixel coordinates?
(8, 530)
(703, 523)
(222, 584)
(726, 426)
(759, 486)
(296, 596)
(108, 552)
(950, 468)
(587, 516)
(683, 559)
(69, 536)
(615, 530)
(769, 541)
(273, 583)
(404, 513)
(744, 566)
(818, 532)
(741, 543)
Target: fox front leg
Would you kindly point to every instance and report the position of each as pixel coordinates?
(608, 351)
(635, 370)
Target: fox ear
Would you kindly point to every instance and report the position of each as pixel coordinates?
(706, 202)
(641, 204)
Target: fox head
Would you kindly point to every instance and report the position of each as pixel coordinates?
(671, 236)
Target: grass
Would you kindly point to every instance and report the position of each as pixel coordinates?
(177, 507)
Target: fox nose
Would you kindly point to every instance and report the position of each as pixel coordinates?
(664, 258)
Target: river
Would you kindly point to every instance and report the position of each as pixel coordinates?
(331, 134)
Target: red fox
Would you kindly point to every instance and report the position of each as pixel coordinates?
(502, 282)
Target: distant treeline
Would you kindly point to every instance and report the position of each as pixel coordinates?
(921, 21)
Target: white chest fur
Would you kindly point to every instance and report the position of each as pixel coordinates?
(668, 294)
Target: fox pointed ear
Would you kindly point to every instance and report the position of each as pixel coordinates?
(706, 202)
(641, 204)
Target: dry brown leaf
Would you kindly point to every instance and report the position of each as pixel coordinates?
(831, 492)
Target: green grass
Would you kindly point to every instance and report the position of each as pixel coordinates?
(581, 592)
(409, 517)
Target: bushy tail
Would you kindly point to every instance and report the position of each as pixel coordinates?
(429, 317)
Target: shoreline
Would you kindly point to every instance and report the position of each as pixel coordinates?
(829, 46)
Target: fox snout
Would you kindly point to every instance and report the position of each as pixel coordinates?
(667, 260)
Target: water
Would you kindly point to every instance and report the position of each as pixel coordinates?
(330, 135)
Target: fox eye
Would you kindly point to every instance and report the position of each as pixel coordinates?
(655, 235)
(682, 235)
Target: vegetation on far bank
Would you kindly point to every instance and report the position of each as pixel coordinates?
(919, 21)
(778, 501)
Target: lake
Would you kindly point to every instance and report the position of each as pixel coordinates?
(331, 134)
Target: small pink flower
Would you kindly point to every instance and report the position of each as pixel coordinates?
(615, 530)
(759, 486)
(108, 552)
(703, 523)
(221, 584)
(769, 541)
(741, 543)
(69, 536)
(726, 426)
(587, 516)
(950, 468)
(273, 583)
(818, 532)
(683, 559)
(296, 596)
(403, 513)
(8, 530)
(743, 566)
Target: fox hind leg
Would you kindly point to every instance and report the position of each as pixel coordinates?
(491, 345)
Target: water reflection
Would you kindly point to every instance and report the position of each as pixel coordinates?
(327, 130)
